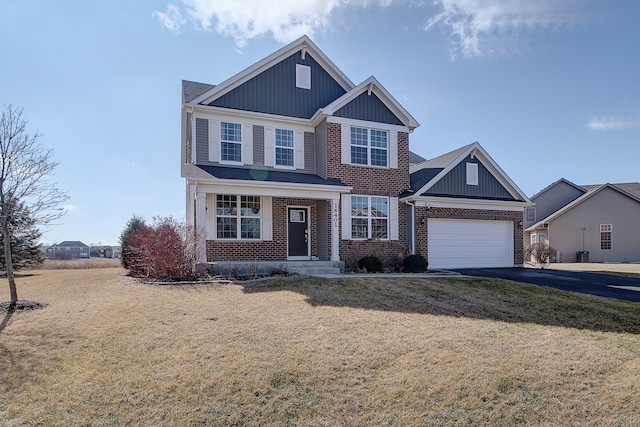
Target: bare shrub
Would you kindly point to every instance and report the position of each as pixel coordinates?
(542, 253)
(166, 250)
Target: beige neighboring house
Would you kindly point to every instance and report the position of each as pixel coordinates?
(595, 223)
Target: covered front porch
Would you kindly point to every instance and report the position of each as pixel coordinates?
(266, 223)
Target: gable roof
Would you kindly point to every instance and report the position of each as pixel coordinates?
(560, 181)
(72, 243)
(303, 45)
(371, 85)
(593, 190)
(415, 158)
(629, 187)
(426, 174)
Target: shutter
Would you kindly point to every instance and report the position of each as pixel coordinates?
(393, 218)
(346, 217)
(269, 146)
(393, 149)
(247, 144)
(267, 218)
(345, 131)
(214, 141)
(299, 150)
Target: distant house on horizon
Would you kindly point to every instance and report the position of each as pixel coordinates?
(68, 249)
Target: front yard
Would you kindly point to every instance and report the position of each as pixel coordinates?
(309, 351)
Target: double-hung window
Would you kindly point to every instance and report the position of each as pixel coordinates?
(284, 147)
(231, 142)
(606, 232)
(237, 217)
(369, 217)
(369, 147)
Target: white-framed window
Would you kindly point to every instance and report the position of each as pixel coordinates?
(237, 217)
(606, 235)
(472, 174)
(369, 147)
(530, 214)
(231, 142)
(285, 146)
(369, 217)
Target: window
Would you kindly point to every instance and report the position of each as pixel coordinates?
(605, 236)
(231, 142)
(472, 174)
(237, 222)
(530, 214)
(369, 217)
(284, 147)
(369, 147)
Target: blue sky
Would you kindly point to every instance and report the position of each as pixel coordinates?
(549, 88)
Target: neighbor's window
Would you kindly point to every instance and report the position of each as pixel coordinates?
(369, 147)
(233, 221)
(530, 214)
(231, 141)
(284, 147)
(369, 217)
(605, 236)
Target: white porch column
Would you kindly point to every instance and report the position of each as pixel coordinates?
(200, 226)
(335, 229)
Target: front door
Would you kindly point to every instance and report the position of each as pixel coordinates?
(298, 242)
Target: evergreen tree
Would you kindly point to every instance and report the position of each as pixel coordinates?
(25, 249)
(134, 224)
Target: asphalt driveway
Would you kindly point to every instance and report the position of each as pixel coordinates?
(603, 285)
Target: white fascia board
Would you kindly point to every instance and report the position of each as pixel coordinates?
(261, 119)
(255, 117)
(366, 124)
(273, 189)
(501, 176)
(248, 73)
(456, 203)
(372, 84)
(489, 163)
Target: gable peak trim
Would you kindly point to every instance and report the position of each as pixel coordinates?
(302, 44)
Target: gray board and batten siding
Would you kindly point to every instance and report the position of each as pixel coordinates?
(454, 184)
(367, 106)
(274, 90)
(202, 147)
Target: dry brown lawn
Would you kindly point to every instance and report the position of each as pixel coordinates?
(108, 351)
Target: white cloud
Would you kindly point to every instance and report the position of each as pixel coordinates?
(244, 20)
(69, 208)
(490, 27)
(612, 123)
(172, 18)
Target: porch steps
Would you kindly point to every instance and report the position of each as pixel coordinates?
(266, 268)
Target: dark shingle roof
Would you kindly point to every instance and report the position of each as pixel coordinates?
(192, 90)
(419, 178)
(73, 243)
(632, 188)
(415, 158)
(242, 174)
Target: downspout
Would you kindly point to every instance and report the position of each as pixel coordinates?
(413, 226)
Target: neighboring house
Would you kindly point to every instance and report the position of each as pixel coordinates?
(290, 160)
(105, 252)
(68, 250)
(603, 220)
(466, 211)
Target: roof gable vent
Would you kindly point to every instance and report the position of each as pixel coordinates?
(303, 76)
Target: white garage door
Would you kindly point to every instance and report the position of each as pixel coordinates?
(457, 243)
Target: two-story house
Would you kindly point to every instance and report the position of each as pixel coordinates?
(290, 160)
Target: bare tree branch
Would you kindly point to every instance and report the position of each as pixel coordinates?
(26, 168)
